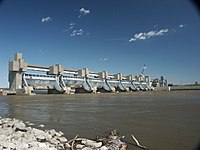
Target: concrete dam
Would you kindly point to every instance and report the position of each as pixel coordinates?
(25, 78)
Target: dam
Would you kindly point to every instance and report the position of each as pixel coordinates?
(25, 78)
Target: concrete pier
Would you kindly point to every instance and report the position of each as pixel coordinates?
(16, 69)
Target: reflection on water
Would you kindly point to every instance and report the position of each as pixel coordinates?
(4, 111)
(160, 120)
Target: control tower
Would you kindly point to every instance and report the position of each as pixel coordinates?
(16, 69)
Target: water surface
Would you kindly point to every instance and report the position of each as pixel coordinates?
(159, 120)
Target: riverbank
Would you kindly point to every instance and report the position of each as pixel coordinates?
(17, 135)
(177, 88)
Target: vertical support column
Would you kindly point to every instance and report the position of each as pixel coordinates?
(120, 87)
(58, 71)
(107, 87)
(118, 76)
(83, 72)
(148, 81)
(103, 74)
(16, 69)
(130, 78)
(87, 86)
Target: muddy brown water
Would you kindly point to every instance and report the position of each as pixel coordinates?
(159, 120)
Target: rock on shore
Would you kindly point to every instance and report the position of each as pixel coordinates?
(16, 135)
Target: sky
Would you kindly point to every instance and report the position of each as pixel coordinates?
(117, 36)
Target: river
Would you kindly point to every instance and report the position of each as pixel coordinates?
(159, 120)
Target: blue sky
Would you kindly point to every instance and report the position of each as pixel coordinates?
(117, 36)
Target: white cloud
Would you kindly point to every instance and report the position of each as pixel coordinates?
(71, 26)
(147, 35)
(75, 29)
(161, 32)
(77, 32)
(181, 25)
(46, 19)
(175, 29)
(103, 59)
(155, 26)
(83, 11)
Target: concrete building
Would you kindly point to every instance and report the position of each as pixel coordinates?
(57, 79)
(162, 82)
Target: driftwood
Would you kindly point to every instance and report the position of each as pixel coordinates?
(72, 141)
(112, 141)
(138, 144)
